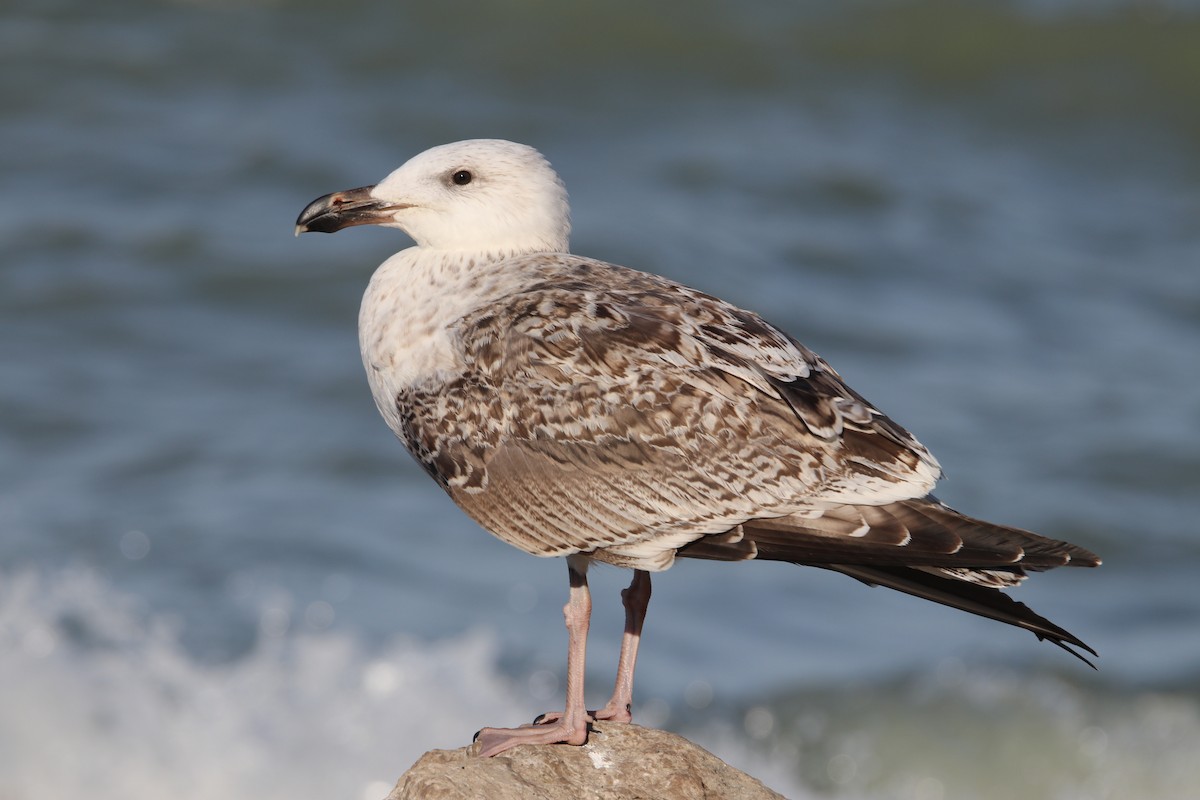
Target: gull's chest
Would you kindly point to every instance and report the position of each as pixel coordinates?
(403, 344)
(407, 325)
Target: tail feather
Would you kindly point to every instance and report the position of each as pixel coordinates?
(938, 536)
(969, 597)
(946, 557)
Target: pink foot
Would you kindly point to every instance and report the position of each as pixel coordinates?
(493, 741)
(615, 712)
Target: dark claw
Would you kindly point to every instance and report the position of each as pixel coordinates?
(475, 738)
(538, 719)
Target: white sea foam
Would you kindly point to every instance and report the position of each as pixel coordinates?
(100, 699)
(118, 709)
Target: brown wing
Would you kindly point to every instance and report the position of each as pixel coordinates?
(612, 411)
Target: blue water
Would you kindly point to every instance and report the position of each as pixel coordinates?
(221, 576)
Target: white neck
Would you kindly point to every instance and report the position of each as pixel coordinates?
(412, 300)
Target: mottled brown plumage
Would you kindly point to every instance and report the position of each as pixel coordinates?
(577, 408)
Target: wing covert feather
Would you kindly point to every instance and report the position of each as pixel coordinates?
(637, 415)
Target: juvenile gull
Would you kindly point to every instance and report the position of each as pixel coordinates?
(581, 409)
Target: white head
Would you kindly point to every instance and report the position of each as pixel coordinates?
(481, 195)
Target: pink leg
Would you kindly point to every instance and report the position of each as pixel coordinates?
(572, 726)
(636, 599)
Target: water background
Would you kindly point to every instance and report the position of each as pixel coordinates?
(220, 576)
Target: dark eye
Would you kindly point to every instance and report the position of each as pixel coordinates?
(462, 177)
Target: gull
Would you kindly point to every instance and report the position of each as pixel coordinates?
(581, 409)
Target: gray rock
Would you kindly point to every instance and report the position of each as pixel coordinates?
(619, 762)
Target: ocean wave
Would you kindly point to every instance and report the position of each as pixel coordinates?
(103, 700)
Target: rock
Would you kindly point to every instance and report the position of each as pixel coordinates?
(619, 762)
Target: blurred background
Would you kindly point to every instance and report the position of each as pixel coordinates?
(220, 576)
